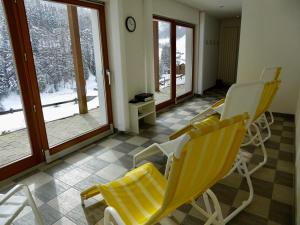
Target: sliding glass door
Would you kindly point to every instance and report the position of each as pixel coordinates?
(184, 60)
(55, 92)
(13, 126)
(66, 45)
(173, 43)
(162, 58)
(19, 144)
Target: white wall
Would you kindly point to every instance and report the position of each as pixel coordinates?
(117, 63)
(297, 163)
(134, 45)
(175, 10)
(131, 54)
(209, 52)
(270, 34)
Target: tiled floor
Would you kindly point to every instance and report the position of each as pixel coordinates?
(15, 145)
(56, 187)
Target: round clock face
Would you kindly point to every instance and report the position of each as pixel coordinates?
(130, 24)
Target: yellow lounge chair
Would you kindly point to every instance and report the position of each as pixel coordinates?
(144, 196)
(269, 74)
(259, 120)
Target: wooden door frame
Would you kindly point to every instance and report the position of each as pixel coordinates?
(102, 36)
(22, 73)
(173, 24)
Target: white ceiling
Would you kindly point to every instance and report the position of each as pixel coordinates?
(231, 8)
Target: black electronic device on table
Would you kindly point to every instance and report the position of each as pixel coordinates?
(144, 97)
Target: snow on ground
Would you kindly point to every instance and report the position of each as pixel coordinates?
(165, 80)
(16, 121)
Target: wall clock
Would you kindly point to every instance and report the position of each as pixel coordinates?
(130, 24)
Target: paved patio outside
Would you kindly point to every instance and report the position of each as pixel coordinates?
(16, 145)
(164, 93)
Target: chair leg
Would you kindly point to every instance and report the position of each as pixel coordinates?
(252, 138)
(206, 203)
(263, 148)
(242, 168)
(263, 124)
(215, 217)
(272, 118)
(33, 206)
(267, 127)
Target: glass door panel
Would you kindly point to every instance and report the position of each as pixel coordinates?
(65, 43)
(90, 42)
(184, 60)
(162, 61)
(14, 139)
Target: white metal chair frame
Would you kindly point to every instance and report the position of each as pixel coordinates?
(20, 202)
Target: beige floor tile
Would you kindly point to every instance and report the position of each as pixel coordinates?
(137, 140)
(36, 180)
(111, 172)
(265, 174)
(64, 221)
(283, 194)
(66, 201)
(285, 166)
(259, 206)
(234, 180)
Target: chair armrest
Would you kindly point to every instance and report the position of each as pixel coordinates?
(180, 132)
(220, 102)
(10, 193)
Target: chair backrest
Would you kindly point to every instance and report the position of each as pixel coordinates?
(268, 94)
(271, 73)
(205, 158)
(243, 97)
(270, 76)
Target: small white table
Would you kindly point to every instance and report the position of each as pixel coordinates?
(141, 111)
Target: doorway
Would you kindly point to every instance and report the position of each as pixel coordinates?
(228, 51)
(173, 60)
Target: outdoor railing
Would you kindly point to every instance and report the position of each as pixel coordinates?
(89, 98)
(164, 80)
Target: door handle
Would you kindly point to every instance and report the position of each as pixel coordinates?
(108, 76)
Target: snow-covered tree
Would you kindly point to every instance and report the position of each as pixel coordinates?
(165, 66)
(51, 45)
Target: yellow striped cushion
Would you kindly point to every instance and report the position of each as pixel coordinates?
(267, 97)
(136, 196)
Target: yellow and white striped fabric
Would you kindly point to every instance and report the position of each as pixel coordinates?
(267, 96)
(278, 73)
(206, 159)
(138, 195)
(144, 196)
